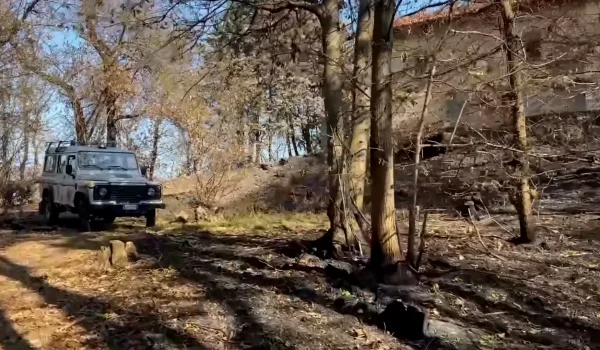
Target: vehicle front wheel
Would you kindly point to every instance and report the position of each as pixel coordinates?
(85, 222)
(50, 211)
(151, 218)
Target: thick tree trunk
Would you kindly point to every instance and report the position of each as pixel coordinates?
(338, 236)
(512, 49)
(361, 93)
(154, 153)
(385, 247)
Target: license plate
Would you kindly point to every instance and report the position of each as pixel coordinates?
(130, 207)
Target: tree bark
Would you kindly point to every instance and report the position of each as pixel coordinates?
(385, 246)
(111, 120)
(154, 153)
(289, 144)
(413, 214)
(513, 47)
(338, 236)
(80, 125)
(292, 135)
(26, 133)
(36, 153)
(307, 139)
(361, 91)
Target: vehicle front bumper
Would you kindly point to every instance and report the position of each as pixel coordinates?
(102, 208)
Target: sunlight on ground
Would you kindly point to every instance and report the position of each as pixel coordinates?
(257, 224)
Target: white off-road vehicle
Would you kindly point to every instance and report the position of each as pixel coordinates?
(96, 182)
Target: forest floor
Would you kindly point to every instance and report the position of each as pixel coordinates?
(229, 285)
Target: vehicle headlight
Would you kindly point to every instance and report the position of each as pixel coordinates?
(151, 192)
(103, 192)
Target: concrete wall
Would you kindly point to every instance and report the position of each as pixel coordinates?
(561, 41)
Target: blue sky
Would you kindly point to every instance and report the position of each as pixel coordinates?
(55, 117)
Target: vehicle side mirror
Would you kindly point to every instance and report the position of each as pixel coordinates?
(144, 171)
(69, 169)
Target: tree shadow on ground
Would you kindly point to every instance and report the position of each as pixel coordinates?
(510, 306)
(215, 261)
(10, 339)
(129, 331)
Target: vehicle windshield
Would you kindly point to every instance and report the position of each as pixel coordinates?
(107, 160)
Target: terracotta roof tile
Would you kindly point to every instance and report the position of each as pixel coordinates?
(473, 7)
(428, 15)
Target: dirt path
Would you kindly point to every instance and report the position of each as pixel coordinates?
(52, 297)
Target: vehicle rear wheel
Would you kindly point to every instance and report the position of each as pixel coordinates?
(50, 211)
(85, 222)
(109, 219)
(151, 218)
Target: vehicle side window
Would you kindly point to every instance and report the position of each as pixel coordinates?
(62, 163)
(50, 164)
(71, 161)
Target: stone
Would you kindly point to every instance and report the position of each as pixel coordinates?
(118, 255)
(182, 217)
(333, 272)
(405, 320)
(310, 261)
(200, 213)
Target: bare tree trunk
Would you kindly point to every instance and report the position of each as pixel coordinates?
(413, 212)
(385, 246)
(80, 125)
(307, 139)
(111, 120)
(361, 91)
(512, 49)
(154, 153)
(292, 135)
(338, 236)
(294, 143)
(4, 140)
(36, 156)
(25, 158)
(289, 144)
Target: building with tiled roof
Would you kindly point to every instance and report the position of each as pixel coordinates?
(561, 54)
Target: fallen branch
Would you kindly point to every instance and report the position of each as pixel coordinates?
(481, 240)
(421, 242)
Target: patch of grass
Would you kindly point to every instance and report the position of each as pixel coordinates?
(257, 223)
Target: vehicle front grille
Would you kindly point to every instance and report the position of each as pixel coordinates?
(128, 194)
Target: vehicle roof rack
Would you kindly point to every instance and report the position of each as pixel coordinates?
(59, 146)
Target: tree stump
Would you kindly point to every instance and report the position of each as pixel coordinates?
(131, 250)
(104, 258)
(118, 255)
